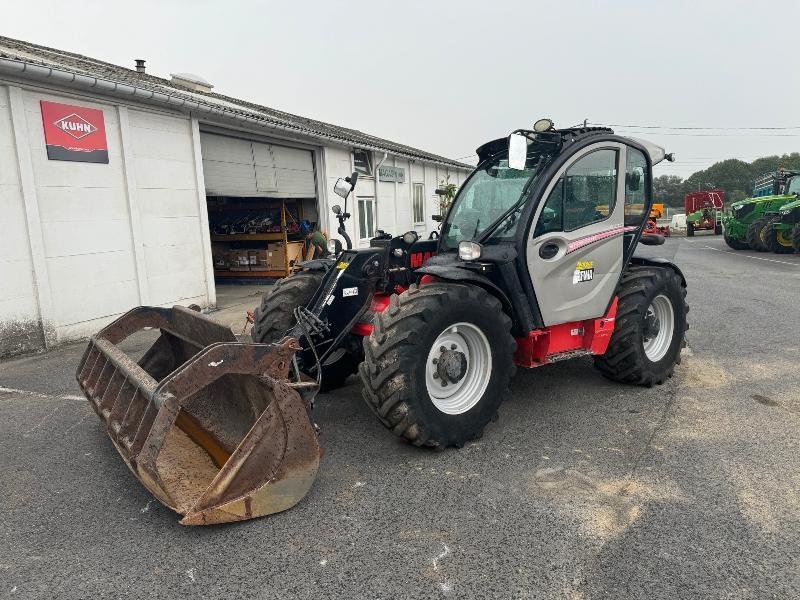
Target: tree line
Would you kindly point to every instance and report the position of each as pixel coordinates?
(732, 175)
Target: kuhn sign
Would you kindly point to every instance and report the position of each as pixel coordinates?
(74, 133)
(76, 126)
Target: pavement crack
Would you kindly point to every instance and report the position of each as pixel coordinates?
(640, 456)
(43, 420)
(445, 551)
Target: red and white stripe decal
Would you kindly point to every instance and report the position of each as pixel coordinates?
(596, 237)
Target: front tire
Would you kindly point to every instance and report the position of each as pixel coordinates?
(754, 234)
(777, 240)
(438, 364)
(796, 238)
(275, 315)
(735, 244)
(650, 327)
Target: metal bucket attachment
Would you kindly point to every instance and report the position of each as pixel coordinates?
(209, 425)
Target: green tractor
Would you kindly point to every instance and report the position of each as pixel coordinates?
(785, 235)
(749, 223)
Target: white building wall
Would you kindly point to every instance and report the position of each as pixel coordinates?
(165, 191)
(20, 329)
(113, 236)
(85, 224)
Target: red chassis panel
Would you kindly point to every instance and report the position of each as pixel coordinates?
(537, 348)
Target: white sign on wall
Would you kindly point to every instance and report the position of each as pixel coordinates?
(392, 174)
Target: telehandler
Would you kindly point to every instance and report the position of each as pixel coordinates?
(526, 272)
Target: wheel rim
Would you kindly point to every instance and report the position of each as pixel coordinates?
(783, 238)
(659, 325)
(458, 368)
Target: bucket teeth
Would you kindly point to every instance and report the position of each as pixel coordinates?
(208, 425)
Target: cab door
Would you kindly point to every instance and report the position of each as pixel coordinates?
(574, 250)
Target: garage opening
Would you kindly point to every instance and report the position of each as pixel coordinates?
(261, 198)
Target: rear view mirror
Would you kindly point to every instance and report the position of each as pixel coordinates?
(517, 151)
(548, 214)
(633, 180)
(342, 188)
(652, 239)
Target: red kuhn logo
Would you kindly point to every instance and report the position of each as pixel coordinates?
(76, 126)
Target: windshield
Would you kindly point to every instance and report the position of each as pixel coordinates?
(489, 193)
(794, 185)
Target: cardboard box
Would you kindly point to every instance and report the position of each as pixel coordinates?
(259, 260)
(276, 259)
(238, 260)
(277, 253)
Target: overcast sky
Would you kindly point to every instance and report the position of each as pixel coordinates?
(446, 76)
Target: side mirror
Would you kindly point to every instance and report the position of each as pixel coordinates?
(652, 239)
(517, 151)
(342, 188)
(633, 180)
(437, 218)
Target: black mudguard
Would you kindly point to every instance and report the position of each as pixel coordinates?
(317, 264)
(658, 262)
(462, 275)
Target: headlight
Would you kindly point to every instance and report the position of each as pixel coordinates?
(469, 250)
(410, 237)
(332, 246)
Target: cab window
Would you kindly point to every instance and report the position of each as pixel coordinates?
(636, 200)
(585, 194)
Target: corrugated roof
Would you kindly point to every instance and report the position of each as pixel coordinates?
(61, 59)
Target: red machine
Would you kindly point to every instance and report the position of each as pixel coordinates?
(651, 227)
(704, 210)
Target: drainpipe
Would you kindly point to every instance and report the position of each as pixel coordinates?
(377, 185)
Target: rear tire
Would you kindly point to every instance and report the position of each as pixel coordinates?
(637, 353)
(399, 376)
(796, 238)
(275, 317)
(754, 234)
(735, 244)
(779, 244)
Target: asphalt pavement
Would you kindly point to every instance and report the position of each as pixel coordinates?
(582, 489)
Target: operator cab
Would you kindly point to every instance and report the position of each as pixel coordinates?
(570, 204)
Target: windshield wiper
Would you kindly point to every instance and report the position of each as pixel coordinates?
(496, 223)
(477, 225)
